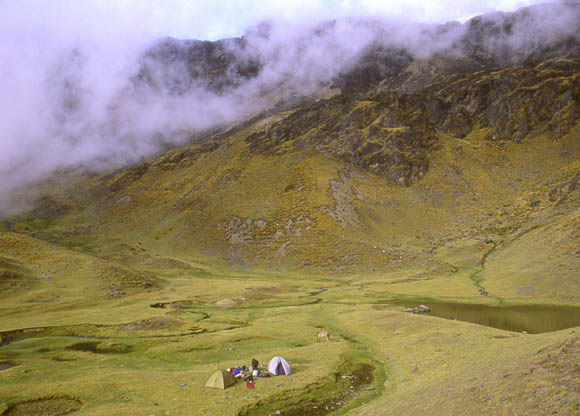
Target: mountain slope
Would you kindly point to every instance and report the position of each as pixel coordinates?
(307, 173)
(365, 182)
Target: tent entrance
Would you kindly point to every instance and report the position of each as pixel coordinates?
(280, 369)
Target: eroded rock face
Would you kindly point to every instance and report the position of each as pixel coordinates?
(176, 66)
(392, 135)
(510, 102)
(375, 64)
(372, 132)
(376, 52)
(500, 39)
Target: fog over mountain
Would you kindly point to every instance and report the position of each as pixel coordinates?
(104, 86)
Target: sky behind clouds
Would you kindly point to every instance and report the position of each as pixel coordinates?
(223, 18)
(214, 19)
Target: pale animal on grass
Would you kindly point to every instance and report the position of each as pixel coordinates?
(322, 335)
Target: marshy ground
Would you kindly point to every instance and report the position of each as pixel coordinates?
(150, 352)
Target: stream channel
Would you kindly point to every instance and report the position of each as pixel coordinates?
(352, 382)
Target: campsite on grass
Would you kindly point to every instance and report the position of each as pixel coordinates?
(222, 379)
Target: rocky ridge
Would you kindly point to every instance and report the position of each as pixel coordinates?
(381, 53)
(391, 134)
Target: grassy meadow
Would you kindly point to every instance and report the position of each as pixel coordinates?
(77, 343)
(122, 296)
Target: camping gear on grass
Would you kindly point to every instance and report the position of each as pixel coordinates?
(279, 367)
(250, 384)
(221, 379)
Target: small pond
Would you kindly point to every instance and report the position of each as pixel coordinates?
(5, 365)
(534, 319)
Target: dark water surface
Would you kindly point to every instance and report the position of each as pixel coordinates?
(345, 390)
(5, 365)
(534, 319)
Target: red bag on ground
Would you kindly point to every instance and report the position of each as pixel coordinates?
(250, 384)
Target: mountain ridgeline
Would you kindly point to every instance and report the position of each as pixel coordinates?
(508, 73)
(358, 54)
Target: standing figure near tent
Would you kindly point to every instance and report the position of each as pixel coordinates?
(322, 335)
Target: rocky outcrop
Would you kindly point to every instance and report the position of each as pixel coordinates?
(418, 309)
(371, 132)
(527, 36)
(390, 54)
(510, 102)
(176, 66)
(375, 64)
(392, 134)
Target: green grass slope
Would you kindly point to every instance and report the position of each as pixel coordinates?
(303, 211)
(123, 291)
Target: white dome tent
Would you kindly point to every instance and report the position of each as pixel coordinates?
(279, 367)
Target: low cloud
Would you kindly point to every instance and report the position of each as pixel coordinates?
(75, 93)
